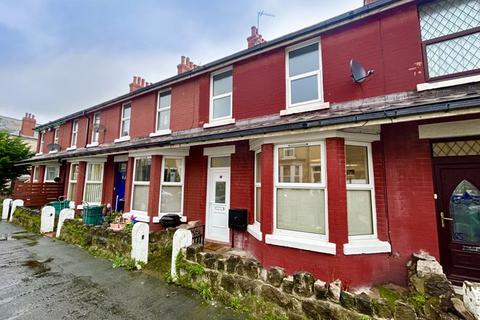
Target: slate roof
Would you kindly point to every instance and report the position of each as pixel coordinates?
(384, 107)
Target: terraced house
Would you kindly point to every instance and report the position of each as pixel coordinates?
(351, 144)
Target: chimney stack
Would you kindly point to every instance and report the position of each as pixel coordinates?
(255, 38)
(185, 65)
(28, 123)
(137, 83)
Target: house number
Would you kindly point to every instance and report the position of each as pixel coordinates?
(471, 248)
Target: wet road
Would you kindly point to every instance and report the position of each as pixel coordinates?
(41, 278)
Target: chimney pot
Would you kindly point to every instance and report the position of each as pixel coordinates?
(255, 38)
(185, 65)
(137, 83)
(28, 123)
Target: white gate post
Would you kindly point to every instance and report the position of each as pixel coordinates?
(16, 203)
(7, 203)
(47, 220)
(471, 297)
(182, 238)
(64, 215)
(140, 238)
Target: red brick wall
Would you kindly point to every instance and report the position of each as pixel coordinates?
(41, 173)
(82, 167)
(154, 190)
(110, 119)
(65, 135)
(108, 181)
(195, 184)
(266, 216)
(142, 121)
(48, 140)
(388, 43)
(241, 175)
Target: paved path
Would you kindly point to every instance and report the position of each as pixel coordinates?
(41, 278)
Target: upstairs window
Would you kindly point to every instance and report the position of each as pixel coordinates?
(221, 96)
(55, 136)
(304, 78)
(163, 111)
(125, 120)
(451, 37)
(74, 133)
(96, 127)
(42, 142)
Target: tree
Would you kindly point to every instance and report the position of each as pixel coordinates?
(12, 150)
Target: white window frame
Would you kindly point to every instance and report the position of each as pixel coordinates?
(255, 228)
(298, 239)
(55, 136)
(305, 105)
(34, 175)
(160, 132)
(171, 184)
(42, 142)
(362, 244)
(74, 137)
(93, 181)
(139, 183)
(95, 132)
(71, 181)
(57, 170)
(226, 119)
(122, 120)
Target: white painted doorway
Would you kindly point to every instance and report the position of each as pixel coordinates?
(218, 199)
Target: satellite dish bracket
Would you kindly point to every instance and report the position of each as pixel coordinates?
(358, 72)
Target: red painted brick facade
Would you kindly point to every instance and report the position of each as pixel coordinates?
(195, 184)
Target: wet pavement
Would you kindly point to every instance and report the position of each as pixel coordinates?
(41, 278)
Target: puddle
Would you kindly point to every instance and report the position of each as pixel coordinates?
(40, 267)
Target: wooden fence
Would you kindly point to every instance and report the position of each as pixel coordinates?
(37, 194)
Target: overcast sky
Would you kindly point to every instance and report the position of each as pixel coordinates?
(57, 57)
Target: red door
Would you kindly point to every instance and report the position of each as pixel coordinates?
(458, 210)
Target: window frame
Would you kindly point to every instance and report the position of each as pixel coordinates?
(36, 171)
(223, 95)
(123, 119)
(55, 135)
(289, 185)
(72, 181)
(42, 142)
(172, 184)
(139, 183)
(255, 228)
(163, 109)
(311, 104)
(93, 181)
(57, 170)
(95, 138)
(73, 142)
(370, 186)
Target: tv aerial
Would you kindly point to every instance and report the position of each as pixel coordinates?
(358, 72)
(260, 14)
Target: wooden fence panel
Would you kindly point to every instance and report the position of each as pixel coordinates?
(37, 194)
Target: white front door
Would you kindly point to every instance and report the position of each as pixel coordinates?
(218, 204)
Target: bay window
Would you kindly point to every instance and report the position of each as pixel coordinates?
(221, 96)
(300, 194)
(72, 181)
(51, 172)
(171, 192)
(93, 183)
(125, 121)
(141, 185)
(73, 142)
(163, 111)
(304, 77)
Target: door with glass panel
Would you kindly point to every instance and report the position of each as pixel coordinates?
(457, 183)
(218, 199)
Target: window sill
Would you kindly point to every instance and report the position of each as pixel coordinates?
(366, 247)
(71, 148)
(219, 123)
(447, 83)
(39, 154)
(305, 108)
(304, 244)
(93, 144)
(157, 219)
(254, 230)
(122, 139)
(53, 151)
(160, 133)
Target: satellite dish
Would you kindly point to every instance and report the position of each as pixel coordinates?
(358, 72)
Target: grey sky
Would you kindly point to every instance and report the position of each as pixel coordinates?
(57, 57)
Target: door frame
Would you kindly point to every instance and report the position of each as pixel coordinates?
(210, 170)
(439, 163)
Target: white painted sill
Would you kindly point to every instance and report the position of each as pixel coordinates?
(71, 148)
(157, 219)
(447, 83)
(304, 244)
(122, 139)
(53, 151)
(254, 230)
(160, 133)
(305, 108)
(368, 246)
(219, 123)
(39, 153)
(93, 144)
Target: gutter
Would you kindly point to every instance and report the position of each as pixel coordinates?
(314, 30)
(393, 115)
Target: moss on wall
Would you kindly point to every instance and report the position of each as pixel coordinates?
(27, 218)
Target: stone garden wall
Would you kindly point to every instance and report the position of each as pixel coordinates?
(245, 285)
(29, 219)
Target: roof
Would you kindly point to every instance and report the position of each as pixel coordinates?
(363, 111)
(11, 125)
(328, 24)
